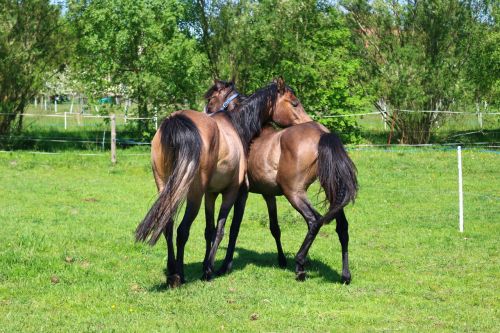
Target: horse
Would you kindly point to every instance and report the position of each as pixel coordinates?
(195, 155)
(286, 162)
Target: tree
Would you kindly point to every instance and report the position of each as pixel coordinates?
(307, 42)
(31, 45)
(416, 54)
(137, 47)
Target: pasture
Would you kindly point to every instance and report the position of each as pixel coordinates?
(68, 261)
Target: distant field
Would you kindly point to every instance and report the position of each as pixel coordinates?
(68, 261)
(50, 134)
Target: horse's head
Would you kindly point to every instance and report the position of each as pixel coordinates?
(288, 110)
(217, 95)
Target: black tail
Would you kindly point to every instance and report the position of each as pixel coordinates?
(336, 173)
(181, 146)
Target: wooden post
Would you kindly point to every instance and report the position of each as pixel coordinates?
(113, 139)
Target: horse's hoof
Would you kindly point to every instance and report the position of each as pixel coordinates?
(207, 276)
(346, 278)
(282, 262)
(174, 281)
(300, 276)
(224, 269)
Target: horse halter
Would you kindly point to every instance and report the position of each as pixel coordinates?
(229, 100)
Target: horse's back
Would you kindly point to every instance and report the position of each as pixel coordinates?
(208, 131)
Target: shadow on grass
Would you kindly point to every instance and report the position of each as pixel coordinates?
(315, 268)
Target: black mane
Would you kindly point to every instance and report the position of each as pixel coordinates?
(250, 115)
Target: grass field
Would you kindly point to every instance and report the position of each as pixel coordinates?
(68, 261)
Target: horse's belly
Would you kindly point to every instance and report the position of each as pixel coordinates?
(225, 175)
(262, 173)
(267, 188)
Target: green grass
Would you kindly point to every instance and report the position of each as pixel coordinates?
(70, 218)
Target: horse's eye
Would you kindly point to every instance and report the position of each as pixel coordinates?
(295, 103)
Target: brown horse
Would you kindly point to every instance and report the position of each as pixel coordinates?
(286, 162)
(194, 155)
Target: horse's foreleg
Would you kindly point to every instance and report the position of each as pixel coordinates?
(343, 233)
(192, 208)
(228, 199)
(210, 225)
(275, 228)
(239, 209)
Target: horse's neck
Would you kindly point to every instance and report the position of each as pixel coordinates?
(236, 102)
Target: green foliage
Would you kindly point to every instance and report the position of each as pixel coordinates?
(136, 48)
(483, 65)
(73, 217)
(307, 42)
(31, 48)
(416, 54)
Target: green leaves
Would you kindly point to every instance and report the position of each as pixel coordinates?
(307, 42)
(138, 48)
(420, 56)
(31, 46)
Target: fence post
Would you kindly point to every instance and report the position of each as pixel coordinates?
(479, 115)
(113, 139)
(156, 118)
(460, 192)
(65, 120)
(55, 105)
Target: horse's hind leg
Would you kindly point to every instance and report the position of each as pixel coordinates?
(210, 225)
(275, 228)
(192, 208)
(343, 233)
(228, 199)
(239, 209)
(301, 203)
(300, 258)
(170, 271)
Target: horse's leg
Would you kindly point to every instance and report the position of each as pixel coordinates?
(301, 203)
(192, 208)
(300, 258)
(228, 199)
(210, 224)
(343, 233)
(275, 228)
(170, 271)
(239, 209)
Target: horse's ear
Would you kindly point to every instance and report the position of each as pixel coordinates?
(281, 85)
(218, 83)
(233, 79)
